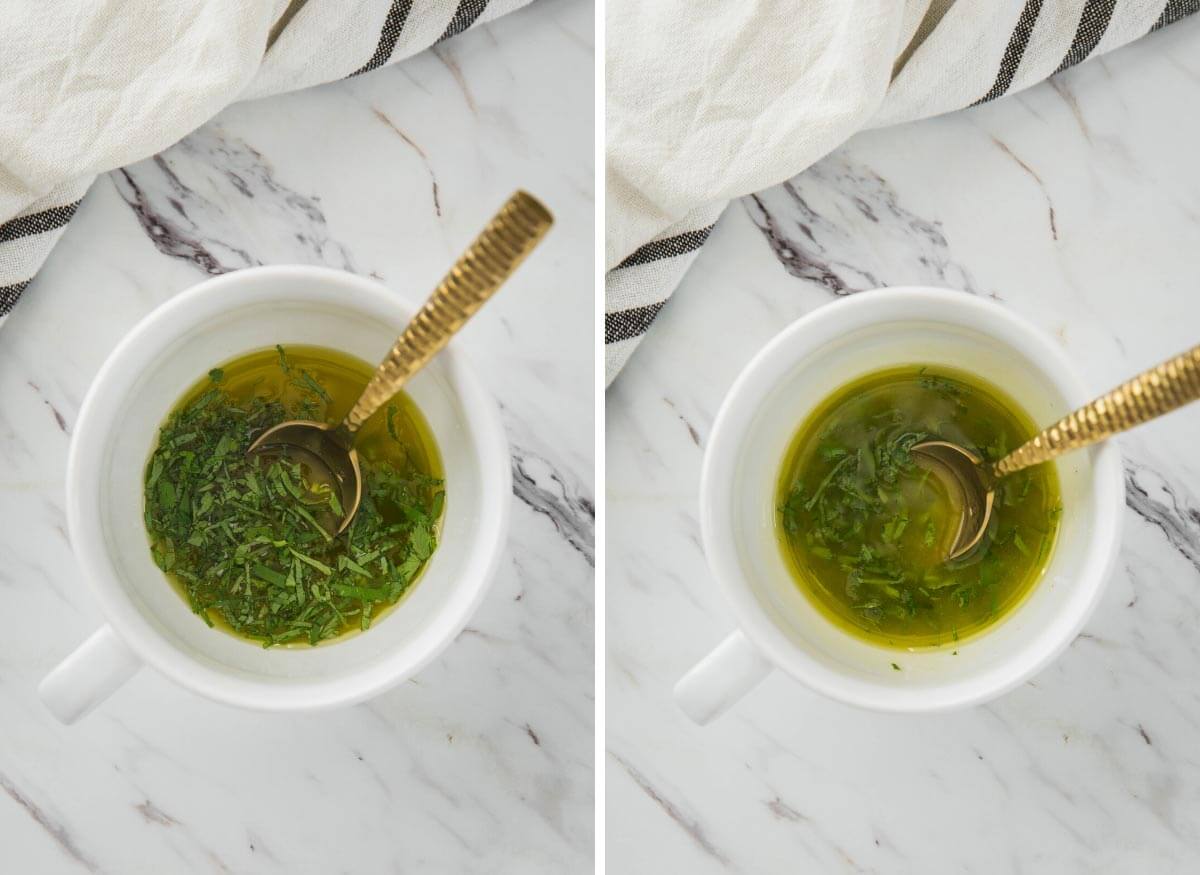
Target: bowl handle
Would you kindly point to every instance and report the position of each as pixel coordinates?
(88, 676)
(719, 680)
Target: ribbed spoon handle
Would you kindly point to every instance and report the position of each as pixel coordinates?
(1147, 396)
(508, 238)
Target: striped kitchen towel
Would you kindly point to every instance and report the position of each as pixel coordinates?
(86, 88)
(710, 101)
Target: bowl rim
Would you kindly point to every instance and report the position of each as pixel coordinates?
(758, 378)
(111, 387)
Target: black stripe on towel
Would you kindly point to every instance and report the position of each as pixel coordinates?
(1014, 52)
(1092, 24)
(1175, 10)
(625, 324)
(9, 295)
(465, 15)
(668, 247)
(37, 223)
(388, 37)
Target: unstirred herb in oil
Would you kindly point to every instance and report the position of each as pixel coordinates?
(249, 541)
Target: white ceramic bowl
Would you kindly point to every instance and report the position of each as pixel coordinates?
(148, 621)
(778, 625)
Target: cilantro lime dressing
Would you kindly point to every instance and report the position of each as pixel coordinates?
(248, 543)
(864, 530)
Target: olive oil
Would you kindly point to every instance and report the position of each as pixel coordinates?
(249, 542)
(865, 530)
(342, 376)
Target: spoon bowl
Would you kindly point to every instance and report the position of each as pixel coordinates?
(327, 454)
(969, 489)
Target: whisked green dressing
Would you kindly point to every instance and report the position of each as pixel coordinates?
(865, 530)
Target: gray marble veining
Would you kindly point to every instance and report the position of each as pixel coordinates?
(181, 199)
(808, 221)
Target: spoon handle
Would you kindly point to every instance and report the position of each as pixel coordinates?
(508, 238)
(1147, 396)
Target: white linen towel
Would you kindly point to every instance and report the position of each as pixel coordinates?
(89, 87)
(709, 101)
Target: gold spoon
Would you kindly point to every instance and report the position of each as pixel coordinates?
(328, 450)
(971, 483)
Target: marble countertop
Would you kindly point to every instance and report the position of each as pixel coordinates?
(484, 761)
(1077, 205)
